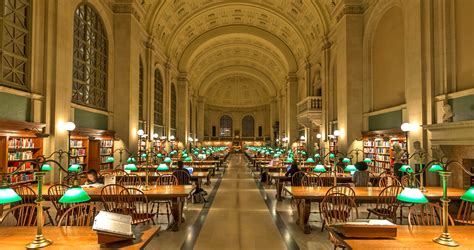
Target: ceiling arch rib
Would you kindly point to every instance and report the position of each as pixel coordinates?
(237, 91)
(219, 73)
(295, 22)
(199, 74)
(230, 41)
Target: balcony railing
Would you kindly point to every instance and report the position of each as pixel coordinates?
(310, 103)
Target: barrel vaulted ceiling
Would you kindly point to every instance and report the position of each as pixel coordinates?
(251, 44)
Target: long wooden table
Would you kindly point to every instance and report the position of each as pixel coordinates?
(73, 237)
(195, 176)
(176, 194)
(420, 237)
(306, 195)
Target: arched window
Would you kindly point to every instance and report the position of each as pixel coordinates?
(15, 43)
(141, 81)
(89, 81)
(158, 112)
(173, 107)
(248, 126)
(226, 126)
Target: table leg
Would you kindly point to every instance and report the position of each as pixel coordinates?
(304, 211)
(279, 189)
(177, 212)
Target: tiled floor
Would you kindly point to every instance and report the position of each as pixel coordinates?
(240, 218)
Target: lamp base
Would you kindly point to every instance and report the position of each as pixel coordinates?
(145, 188)
(39, 242)
(445, 239)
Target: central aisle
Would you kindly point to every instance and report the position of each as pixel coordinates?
(239, 218)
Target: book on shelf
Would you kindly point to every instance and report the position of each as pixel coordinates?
(19, 156)
(106, 143)
(21, 143)
(76, 144)
(113, 224)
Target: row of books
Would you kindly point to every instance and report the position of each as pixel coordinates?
(106, 143)
(105, 151)
(27, 166)
(78, 152)
(18, 156)
(78, 160)
(24, 177)
(76, 144)
(20, 143)
(103, 159)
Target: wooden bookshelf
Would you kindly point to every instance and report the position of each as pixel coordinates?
(94, 146)
(378, 147)
(20, 142)
(99, 150)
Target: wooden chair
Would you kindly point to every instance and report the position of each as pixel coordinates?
(55, 192)
(167, 179)
(326, 179)
(311, 180)
(110, 198)
(24, 215)
(80, 215)
(164, 180)
(119, 172)
(105, 172)
(389, 180)
(136, 204)
(296, 178)
(361, 178)
(335, 208)
(373, 179)
(130, 180)
(465, 214)
(183, 176)
(387, 204)
(429, 214)
(405, 181)
(342, 190)
(28, 196)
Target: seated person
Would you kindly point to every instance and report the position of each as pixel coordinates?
(181, 166)
(361, 177)
(293, 169)
(93, 178)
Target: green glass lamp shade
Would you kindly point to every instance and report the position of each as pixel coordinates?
(350, 168)
(131, 160)
(310, 160)
(331, 156)
(368, 160)
(468, 195)
(110, 159)
(412, 195)
(143, 155)
(317, 156)
(276, 155)
(185, 155)
(346, 160)
(74, 168)
(162, 167)
(167, 160)
(159, 155)
(173, 152)
(406, 169)
(319, 168)
(46, 167)
(289, 160)
(75, 195)
(188, 159)
(435, 168)
(303, 153)
(8, 195)
(130, 167)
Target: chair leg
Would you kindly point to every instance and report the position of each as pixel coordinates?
(50, 218)
(168, 212)
(368, 216)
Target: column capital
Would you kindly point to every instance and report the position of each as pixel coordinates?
(350, 7)
(292, 77)
(129, 7)
(149, 44)
(182, 77)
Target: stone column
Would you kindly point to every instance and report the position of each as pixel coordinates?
(182, 108)
(127, 33)
(273, 117)
(349, 73)
(291, 108)
(200, 118)
(282, 112)
(149, 87)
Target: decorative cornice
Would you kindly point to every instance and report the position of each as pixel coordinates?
(127, 7)
(343, 9)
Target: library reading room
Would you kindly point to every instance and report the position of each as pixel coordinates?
(236, 124)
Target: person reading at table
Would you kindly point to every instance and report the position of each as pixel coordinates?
(293, 169)
(361, 177)
(93, 178)
(181, 166)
